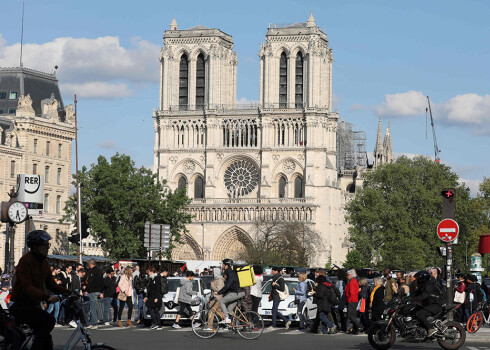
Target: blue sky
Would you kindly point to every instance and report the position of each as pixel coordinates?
(388, 56)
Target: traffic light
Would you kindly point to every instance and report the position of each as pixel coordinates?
(75, 237)
(448, 203)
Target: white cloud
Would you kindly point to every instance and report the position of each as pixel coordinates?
(94, 61)
(97, 89)
(246, 101)
(470, 110)
(107, 144)
(472, 184)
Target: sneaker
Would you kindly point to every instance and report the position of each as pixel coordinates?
(176, 326)
(107, 323)
(431, 332)
(208, 329)
(57, 325)
(288, 323)
(93, 326)
(154, 327)
(226, 321)
(270, 328)
(196, 325)
(73, 324)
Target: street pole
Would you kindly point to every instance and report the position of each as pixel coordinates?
(449, 278)
(12, 248)
(79, 211)
(7, 247)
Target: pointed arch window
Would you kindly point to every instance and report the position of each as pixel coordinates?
(200, 81)
(283, 81)
(298, 91)
(198, 187)
(282, 187)
(298, 188)
(183, 82)
(182, 184)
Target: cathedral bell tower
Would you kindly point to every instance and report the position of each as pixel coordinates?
(296, 67)
(198, 69)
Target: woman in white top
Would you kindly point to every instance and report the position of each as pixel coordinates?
(256, 289)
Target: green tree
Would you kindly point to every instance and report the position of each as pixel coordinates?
(119, 198)
(354, 259)
(394, 216)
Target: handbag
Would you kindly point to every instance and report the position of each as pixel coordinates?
(122, 296)
(283, 295)
(459, 297)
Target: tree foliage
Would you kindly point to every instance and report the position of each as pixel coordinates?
(394, 216)
(282, 243)
(119, 198)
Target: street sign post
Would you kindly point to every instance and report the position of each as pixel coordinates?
(30, 190)
(157, 237)
(448, 230)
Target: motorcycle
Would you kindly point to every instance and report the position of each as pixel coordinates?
(400, 318)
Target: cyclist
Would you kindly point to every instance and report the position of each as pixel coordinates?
(32, 275)
(231, 290)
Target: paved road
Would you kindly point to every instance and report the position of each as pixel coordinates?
(140, 338)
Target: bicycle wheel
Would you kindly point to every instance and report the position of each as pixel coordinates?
(205, 324)
(102, 347)
(475, 322)
(249, 325)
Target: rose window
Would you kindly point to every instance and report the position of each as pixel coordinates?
(241, 178)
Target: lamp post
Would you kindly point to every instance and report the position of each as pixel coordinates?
(79, 202)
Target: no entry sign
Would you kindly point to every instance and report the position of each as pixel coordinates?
(448, 230)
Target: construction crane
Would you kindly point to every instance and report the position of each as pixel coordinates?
(436, 148)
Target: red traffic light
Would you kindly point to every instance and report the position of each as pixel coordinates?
(448, 194)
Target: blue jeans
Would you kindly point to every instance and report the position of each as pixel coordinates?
(276, 313)
(325, 322)
(107, 309)
(94, 319)
(56, 307)
(300, 314)
(139, 315)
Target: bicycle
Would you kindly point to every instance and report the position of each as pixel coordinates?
(18, 336)
(248, 324)
(478, 318)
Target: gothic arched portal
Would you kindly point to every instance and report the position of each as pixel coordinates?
(190, 250)
(231, 244)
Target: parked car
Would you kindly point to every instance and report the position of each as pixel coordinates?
(171, 307)
(287, 306)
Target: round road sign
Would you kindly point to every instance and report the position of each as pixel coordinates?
(448, 230)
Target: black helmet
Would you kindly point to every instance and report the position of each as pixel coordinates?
(37, 237)
(228, 262)
(422, 277)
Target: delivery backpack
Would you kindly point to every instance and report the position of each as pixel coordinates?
(246, 276)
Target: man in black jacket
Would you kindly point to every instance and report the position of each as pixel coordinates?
(278, 284)
(110, 298)
(428, 294)
(95, 285)
(231, 290)
(140, 283)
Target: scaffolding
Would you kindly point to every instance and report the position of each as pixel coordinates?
(351, 147)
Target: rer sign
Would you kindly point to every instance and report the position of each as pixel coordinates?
(448, 230)
(30, 189)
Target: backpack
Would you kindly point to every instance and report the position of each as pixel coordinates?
(335, 296)
(164, 285)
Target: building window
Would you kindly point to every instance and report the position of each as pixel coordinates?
(35, 146)
(198, 188)
(46, 174)
(298, 92)
(283, 81)
(1, 111)
(12, 111)
(47, 147)
(298, 188)
(34, 168)
(200, 81)
(3, 95)
(59, 150)
(58, 204)
(183, 82)
(182, 183)
(282, 187)
(12, 169)
(58, 178)
(46, 202)
(13, 95)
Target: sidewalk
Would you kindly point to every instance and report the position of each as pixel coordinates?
(483, 335)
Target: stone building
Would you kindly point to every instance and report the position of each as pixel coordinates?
(272, 161)
(36, 138)
(383, 151)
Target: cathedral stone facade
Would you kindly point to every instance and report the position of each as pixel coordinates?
(273, 161)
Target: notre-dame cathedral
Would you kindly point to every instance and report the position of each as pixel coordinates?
(276, 160)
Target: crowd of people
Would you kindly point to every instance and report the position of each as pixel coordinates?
(345, 302)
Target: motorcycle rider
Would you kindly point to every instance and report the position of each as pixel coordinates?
(429, 297)
(33, 274)
(231, 290)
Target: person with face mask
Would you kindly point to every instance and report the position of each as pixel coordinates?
(32, 275)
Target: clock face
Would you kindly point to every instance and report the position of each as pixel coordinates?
(17, 212)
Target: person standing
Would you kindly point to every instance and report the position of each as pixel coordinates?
(154, 296)
(340, 321)
(389, 280)
(278, 284)
(300, 297)
(185, 298)
(95, 284)
(352, 299)
(136, 272)
(109, 295)
(126, 286)
(322, 296)
(364, 310)
(55, 306)
(377, 303)
(140, 282)
(256, 289)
